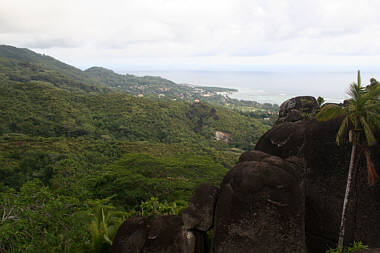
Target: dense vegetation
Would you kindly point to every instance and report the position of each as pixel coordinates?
(51, 188)
(40, 109)
(77, 157)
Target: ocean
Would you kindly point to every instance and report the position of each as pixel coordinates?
(270, 87)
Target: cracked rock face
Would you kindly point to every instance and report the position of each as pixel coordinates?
(325, 181)
(306, 104)
(152, 234)
(260, 207)
(283, 140)
(199, 215)
(160, 234)
(325, 185)
(297, 108)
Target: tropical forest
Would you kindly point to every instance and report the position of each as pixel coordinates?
(82, 151)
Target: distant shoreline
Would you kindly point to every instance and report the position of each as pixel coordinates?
(269, 87)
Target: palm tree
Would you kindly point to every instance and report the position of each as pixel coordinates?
(361, 116)
(103, 227)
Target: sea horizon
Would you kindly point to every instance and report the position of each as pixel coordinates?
(273, 87)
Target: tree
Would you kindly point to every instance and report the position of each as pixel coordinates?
(360, 118)
(320, 101)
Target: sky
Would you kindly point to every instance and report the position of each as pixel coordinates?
(336, 35)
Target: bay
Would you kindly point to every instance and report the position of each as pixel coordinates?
(270, 87)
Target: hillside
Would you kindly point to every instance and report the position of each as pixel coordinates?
(20, 64)
(24, 65)
(39, 108)
(74, 151)
(155, 86)
(41, 96)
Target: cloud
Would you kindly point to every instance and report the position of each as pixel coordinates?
(182, 29)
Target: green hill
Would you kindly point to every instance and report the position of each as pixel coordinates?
(39, 108)
(72, 147)
(41, 96)
(20, 64)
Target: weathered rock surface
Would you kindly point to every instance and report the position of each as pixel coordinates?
(368, 251)
(283, 140)
(325, 187)
(325, 181)
(199, 214)
(297, 108)
(260, 207)
(155, 235)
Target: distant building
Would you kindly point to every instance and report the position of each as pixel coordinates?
(140, 95)
(196, 100)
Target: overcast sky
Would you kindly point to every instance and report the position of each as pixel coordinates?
(197, 34)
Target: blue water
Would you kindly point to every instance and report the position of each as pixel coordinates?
(270, 87)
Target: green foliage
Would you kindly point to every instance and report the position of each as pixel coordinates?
(37, 220)
(23, 65)
(361, 113)
(138, 176)
(86, 170)
(105, 220)
(355, 247)
(37, 109)
(320, 101)
(153, 207)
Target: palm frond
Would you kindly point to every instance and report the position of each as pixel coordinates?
(374, 106)
(373, 92)
(371, 140)
(373, 119)
(329, 112)
(355, 91)
(342, 132)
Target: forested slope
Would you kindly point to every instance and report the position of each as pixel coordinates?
(40, 109)
(76, 157)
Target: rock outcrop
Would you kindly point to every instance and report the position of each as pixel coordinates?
(199, 215)
(153, 235)
(186, 233)
(325, 187)
(296, 109)
(325, 181)
(283, 140)
(368, 251)
(260, 206)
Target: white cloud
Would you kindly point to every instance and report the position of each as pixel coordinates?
(180, 31)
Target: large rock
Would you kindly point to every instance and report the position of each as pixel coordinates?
(260, 207)
(155, 235)
(325, 188)
(199, 215)
(283, 140)
(325, 182)
(297, 108)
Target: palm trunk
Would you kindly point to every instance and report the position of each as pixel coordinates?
(346, 197)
